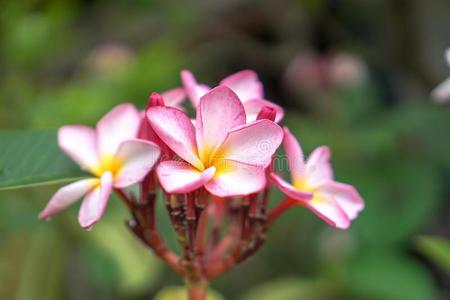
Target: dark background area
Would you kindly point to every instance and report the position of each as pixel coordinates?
(355, 75)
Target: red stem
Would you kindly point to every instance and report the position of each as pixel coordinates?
(145, 229)
(200, 240)
(279, 209)
(127, 201)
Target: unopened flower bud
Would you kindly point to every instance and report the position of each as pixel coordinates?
(155, 99)
(267, 113)
(146, 131)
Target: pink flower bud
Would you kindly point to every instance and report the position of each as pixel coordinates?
(268, 113)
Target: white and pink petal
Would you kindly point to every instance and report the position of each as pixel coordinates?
(245, 84)
(94, 204)
(120, 124)
(67, 195)
(219, 111)
(318, 168)
(447, 56)
(328, 209)
(346, 196)
(252, 143)
(294, 155)
(233, 179)
(441, 93)
(80, 144)
(137, 158)
(253, 107)
(180, 177)
(193, 89)
(289, 190)
(174, 97)
(176, 130)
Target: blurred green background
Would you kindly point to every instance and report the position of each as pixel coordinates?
(355, 75)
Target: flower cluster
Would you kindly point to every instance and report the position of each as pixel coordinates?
(215, 171)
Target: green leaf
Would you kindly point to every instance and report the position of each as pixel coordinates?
(179, 293)
(29, 158)
(436, 249)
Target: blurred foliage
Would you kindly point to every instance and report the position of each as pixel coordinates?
(64, 62)
(436, 249)
(180, 293)
(290, 289)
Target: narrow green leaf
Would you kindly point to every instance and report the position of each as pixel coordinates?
(29, 158)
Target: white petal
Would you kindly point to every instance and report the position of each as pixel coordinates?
(94, 203)
(441, 93)
(67, 195)
(138, 157)
(80, 143)
(120, 124)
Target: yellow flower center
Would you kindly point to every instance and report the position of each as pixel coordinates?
(302, 184)
(108, 163)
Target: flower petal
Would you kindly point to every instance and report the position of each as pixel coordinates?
(441, 93)
(233, 179)
(318, 168)
(120, 124)
(219, 111)
(174, 97)
(253, 107)
(245, 84)
(252, 143)
(176, 130)
(80, 144)
(447, 55)
(67, 195)
(346, 197)
(294, 155)
(329, 210)
(180, 177)
(138, 157)
(289, 190)
(194, 90)
(94, 203)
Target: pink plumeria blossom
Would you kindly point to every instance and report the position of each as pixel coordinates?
(245, 84)
(442, 92)
(221, 151)
(112, 153)
(313, 185)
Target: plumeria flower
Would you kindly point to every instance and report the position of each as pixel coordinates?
(111, 153)
(442, 92)
(313, 185)
(221, 152)
(245, 84)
